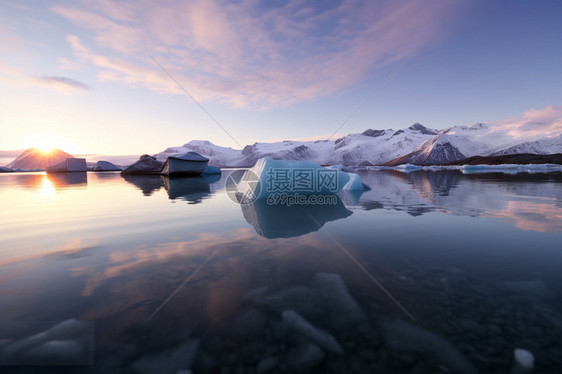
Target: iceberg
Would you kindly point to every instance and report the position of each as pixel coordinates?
(106, 166)
(190, 163)
(510, 168)
(354, 183)
(269, 176)
(408, 167)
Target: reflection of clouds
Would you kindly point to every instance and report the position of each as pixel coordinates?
(75, 247)
(139, 280)
(123, 263)
(534, 216)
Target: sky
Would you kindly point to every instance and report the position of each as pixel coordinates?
(133, 77)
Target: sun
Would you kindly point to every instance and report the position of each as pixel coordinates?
(46, 148)
(48, 142)
(45, 144)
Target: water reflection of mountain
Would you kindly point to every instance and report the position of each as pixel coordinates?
(190, 189)
(282, 221)
(532, 201)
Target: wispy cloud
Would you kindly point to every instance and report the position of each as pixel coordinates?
(61, 83)
(20, 78)
(533, 123)
(249, 53)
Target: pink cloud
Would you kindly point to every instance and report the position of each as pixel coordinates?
(239, 54)
(11, 76)
(533, 123)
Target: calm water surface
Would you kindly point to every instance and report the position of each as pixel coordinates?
(427, 272)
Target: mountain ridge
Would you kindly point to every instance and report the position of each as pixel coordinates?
(415, 144)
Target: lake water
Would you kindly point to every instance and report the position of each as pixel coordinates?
(427, 272)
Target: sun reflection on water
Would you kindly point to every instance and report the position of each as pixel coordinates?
(46, 188)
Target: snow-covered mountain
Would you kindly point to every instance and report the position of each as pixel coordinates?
(460, 142)
(546, 146)
(370, 147)
(416, 144)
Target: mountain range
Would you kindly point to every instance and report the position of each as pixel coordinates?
(416, 144)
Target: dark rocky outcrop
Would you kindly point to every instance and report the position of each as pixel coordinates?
(146, 165)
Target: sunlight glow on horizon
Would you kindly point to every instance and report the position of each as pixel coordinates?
(48, 142)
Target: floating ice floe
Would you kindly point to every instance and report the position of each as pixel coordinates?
(303, 177)
(408, 167)
(510, 168)
(469, 169)
(106, 166)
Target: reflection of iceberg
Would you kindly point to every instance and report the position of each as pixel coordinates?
(282, 221)
(146, 183)
(61, 180)
(190, 189)
(70, 165)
